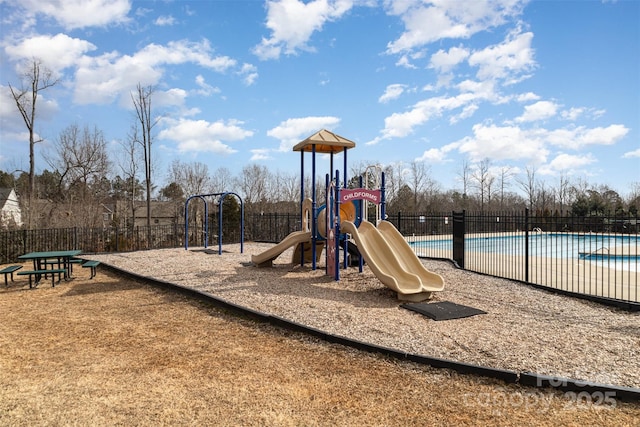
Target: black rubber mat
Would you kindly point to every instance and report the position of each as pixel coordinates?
(444, 310)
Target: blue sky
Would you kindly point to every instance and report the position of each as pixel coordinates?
(549, 85)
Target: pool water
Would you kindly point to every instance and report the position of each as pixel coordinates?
(619, 249)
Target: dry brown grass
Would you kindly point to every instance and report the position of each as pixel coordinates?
(111, 351)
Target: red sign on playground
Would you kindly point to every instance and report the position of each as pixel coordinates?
(372, 196)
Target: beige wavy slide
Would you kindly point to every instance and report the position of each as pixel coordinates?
(379, 256)
(431, 282)
(265, 259)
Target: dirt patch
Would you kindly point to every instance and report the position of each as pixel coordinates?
(111, 351)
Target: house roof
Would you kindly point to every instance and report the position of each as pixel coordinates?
(325, 142)
(5, 193)
(159, 209)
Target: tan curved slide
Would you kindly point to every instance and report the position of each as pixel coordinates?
(379, 256)
(431, 282)
(266, 258)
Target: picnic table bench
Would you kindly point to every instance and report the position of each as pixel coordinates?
(9, 270)
(92, 265)
(61, 263)
(39, 273)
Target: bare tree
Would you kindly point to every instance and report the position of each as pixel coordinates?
(222, 180)
(34, 81)
(544, 198)
(528, 185)
(142, 103)
(563, 191)
(82, 162)
(128, 163)
(288, 187)
(503, 182)
(465, 178)
(193, 178)
(254, 183)
(483, 180)
(421, 181)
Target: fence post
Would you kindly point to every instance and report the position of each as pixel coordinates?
(24, 241)
(526, 245)
(458, 237)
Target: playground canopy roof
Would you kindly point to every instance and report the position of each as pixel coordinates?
(325, 142)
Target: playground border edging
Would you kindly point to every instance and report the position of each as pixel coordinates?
(529, 379)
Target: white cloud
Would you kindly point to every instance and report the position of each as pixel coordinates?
(183, 51)
(56, 52)
(399, 125)
(445, 61)
(292, 131)
(632, 154)
(404, 61)
(572, 113)
(204, 136)
(74, 14)
(260, 154)
(426, 22)
(567, 163)
(534, 145)
(526, 97)
(466, 112)
(576, 138)
(293, 22)
(540, 110)
(171, 97)
(249, 73)
(392, 91)
(437, 155)
(103, 78)
(505, 143)
(11, 122)
(205, 88)
(432, 155)
(511, 61)
(163, 21)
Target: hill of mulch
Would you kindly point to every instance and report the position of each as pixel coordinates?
(113, 351)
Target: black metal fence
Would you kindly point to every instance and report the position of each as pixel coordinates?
(595, 256)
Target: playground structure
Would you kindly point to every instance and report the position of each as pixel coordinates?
(220, 198)
(339, 227)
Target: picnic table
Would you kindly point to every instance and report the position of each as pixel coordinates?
(63, 259)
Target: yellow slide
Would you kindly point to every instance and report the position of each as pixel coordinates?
(265, 259)
(431, 282)
(379, 256)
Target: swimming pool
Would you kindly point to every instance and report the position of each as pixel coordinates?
(617, 251)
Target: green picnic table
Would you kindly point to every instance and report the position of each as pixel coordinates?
(40, 264)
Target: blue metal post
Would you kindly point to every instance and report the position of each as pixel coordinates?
(345, 243)
(220, 224)
(313, 204)
(302, 202)
(337, 224)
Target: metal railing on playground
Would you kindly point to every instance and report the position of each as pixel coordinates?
(596, 256)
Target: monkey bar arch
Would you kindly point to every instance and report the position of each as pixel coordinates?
(221, 197)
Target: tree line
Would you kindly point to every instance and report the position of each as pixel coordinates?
(82, 181)
(80, 187)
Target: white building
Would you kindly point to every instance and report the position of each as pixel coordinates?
(10, 214)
